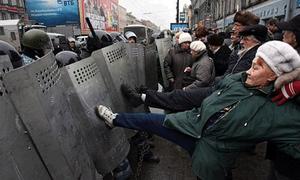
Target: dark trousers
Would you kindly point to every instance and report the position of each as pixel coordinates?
(153, 123)
(178, 100)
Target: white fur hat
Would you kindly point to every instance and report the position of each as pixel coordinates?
(280, 56)
(184, 37)
(198, 46)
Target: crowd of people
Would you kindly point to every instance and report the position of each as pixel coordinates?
(253, 100)
(225, 94)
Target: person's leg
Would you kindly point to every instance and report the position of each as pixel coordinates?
(153, 123)
(178, 100)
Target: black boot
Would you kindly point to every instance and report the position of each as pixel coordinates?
(133, 97)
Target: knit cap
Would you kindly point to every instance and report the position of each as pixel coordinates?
(197, 46)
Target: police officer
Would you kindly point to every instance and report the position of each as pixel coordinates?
(93, 44)
(14, 56)
(65, 58)
(131, 37)
(36, 43)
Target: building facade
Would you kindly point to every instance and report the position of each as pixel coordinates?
(11, 9)
(122, 18)
(222, 11)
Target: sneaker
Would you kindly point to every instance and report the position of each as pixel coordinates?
(133, 97)
(106, 114)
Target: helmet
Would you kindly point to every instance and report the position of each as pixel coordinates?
(104, 40)
(71, 39)
(118, 37)
(14, 56)
(130, 34)
(64, 58)
(36, 39)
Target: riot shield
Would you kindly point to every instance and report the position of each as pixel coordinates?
(136, 57)
(115, 68)
(18, 156)
(151, 66)
(85, 90)
(36, 91)
(163, 46)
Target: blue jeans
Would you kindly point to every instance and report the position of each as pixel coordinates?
(153, 123)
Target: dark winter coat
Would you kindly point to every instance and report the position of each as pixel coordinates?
(221, 58)
(175, 62)
(241, 62)
(249, 117)
(203, 72)
(284, 163)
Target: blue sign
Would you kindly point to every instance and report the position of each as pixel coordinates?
(53, 12)
(178, 26)
(298, 3)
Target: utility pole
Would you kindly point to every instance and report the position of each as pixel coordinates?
(177, 12)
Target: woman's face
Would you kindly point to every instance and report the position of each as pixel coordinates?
(290, 38)
(260, 74)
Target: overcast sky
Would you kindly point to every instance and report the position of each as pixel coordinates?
(160, 12)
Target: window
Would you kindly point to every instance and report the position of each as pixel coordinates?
(18, 3)
(9, 2)
(12, 16)
(2, 31)
(4, 17)
(13, 36)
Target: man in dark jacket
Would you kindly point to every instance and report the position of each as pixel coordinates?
(177, 59)
(238, 115)
(219, 52)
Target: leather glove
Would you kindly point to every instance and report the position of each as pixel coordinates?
(286, 92)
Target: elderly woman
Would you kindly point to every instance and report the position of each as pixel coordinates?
(238, 115)
(202, 72)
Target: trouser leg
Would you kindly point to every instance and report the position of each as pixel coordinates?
(177, 100)
(153, 123)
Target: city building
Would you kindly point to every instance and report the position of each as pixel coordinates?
(222, 11)
(11, 9)
(122, 18)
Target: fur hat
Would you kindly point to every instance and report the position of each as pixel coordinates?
(260, 32)
(215, 40)
(292, 25)
(184, 37)
(198, 46)
(280, 56)
(246, 18)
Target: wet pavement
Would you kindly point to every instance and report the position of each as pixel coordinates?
(175, 164)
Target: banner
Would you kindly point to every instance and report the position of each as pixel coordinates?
(103, 14)
(178, 26)
(52, 13)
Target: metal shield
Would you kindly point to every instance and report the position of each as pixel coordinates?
(37, 92)
(85, 89)
(163, 46)
(18, 156)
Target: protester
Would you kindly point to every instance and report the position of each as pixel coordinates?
(274, 32)
(177, 59)
(179, 100)
(283, 165)
(238, 115)
(219, 52)
(202, 72)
